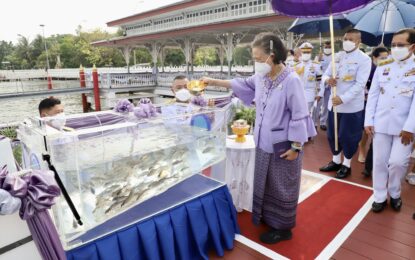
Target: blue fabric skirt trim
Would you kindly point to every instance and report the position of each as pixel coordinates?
(187, 231)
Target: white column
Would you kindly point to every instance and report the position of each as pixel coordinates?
(154, 49)
(228, 41)
(126, 51)
(187, 45)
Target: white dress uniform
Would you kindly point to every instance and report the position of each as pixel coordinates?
(390, 109)
(309, 72)
(352, 72)
(323, 104)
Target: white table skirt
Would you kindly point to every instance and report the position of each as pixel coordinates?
(239, 176)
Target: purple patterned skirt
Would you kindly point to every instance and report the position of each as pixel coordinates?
(276, 190)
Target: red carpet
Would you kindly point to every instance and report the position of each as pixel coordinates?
(319, 219)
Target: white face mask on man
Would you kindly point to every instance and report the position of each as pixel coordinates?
(262, 68)
(400, 53)
(183, 95)
(57, 121)
(348, 46)
(327, 51)
(306, 56)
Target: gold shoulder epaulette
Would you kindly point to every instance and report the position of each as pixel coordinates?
(316, 62)
(386, 62)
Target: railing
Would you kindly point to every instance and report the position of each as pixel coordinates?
(235, 10)
(110, 80)
(63, 73)
(74, 73)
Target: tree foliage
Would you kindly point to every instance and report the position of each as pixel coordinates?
(206, 56)
(71, 50)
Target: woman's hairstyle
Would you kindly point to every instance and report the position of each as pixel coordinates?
(271, 44)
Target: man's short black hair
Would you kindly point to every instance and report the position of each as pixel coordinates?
(410, 32)
(48, 103)
(291, 52)
(378, 50)
(327, 43)
(179, 77)
(353, 30)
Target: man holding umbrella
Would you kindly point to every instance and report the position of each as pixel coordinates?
(390, 120)
(352, 72)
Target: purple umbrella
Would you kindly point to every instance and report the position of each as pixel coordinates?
(318, 8)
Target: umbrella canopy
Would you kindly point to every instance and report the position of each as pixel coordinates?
(381, 18)
(318, 25)
(316, 8)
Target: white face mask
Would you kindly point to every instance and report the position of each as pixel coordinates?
(290, 59)
(348, 46)
(306, 56)
(327, 51)
(183, 95)
(262, 68)
(400, 53)
(58, 121)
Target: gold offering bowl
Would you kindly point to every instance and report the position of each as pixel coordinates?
(240, 132)
(196, 87)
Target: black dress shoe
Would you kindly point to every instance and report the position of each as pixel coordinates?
(331, 167)
(323, 127)
(379, 207)
(274, 236)
(366, 173)
(343, 172)
(396, 204)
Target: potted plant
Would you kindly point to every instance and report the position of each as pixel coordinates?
(245, 113)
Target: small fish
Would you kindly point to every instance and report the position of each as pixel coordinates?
(153, 172)
(176, 162)
(208, 149)
(113, 207)
(131, 198)
(164, 174)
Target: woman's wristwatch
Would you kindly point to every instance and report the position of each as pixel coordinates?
(296, 147)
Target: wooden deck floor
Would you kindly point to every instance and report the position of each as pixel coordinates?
(388, 235)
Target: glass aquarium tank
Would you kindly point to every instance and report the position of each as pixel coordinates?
(109, 162)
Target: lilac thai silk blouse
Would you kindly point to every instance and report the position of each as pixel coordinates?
(281, 108)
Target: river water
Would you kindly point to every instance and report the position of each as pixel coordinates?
(16, 110)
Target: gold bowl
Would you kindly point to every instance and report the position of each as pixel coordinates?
(196, 87)
(240, 130)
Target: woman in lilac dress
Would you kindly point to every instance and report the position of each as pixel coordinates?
(282, 126)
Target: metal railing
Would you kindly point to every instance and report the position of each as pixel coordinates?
(123, 80)
(15, 75)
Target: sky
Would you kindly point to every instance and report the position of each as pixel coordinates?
(63, 16)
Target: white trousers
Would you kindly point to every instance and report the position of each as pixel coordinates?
(390, 163)
(314, 112)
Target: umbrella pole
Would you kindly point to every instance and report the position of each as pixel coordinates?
(384, 23)
(321, 42)
(334, 89)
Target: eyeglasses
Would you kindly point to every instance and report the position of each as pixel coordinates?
(400, 45)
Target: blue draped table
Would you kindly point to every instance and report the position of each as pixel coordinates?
(185, 222)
